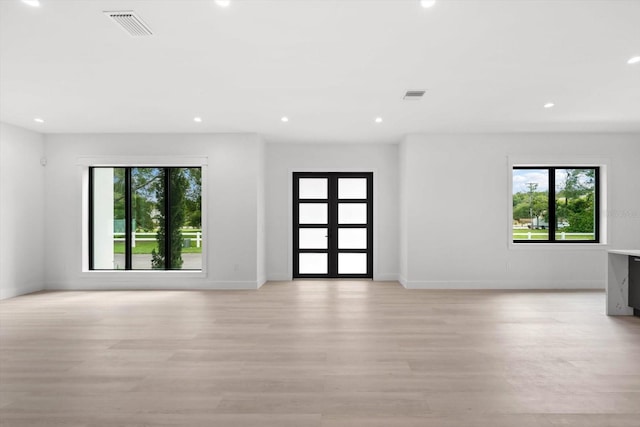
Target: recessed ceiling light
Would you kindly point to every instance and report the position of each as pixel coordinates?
(223, 3)
(197, 119)
(38, 120)
(378, 119)
(427, 3)
(549, 105)
(634, 60)
(32, 3)
(284, 119)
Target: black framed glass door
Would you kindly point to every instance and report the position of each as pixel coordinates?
(333, 225)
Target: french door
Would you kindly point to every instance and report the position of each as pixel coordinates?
(332, 224)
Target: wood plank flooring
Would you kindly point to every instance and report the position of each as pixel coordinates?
(318, 354)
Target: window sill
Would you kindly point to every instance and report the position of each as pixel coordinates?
(558, 246)
(149, 273)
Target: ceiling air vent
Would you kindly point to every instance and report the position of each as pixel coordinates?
(130, 22)
(413, 95)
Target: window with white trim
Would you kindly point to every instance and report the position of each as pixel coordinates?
(556, 204)
(145, 218)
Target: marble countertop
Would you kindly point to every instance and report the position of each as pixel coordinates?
(632, 252)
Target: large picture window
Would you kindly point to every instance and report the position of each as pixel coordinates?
(556, 204)
(145, 218)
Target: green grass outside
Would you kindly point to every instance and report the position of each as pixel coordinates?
(544, 235)
(145, 247)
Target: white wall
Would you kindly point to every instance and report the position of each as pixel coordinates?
(22, 210)
(231, 214)
(403, 237)
(283, 159)
(261, 213)
(455, 211)
(441, 208)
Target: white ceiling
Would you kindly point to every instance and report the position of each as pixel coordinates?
(332, 67)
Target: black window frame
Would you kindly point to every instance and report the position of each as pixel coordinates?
(552, 204)
(128, 249)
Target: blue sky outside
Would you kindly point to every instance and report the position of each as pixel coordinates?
(521, 177)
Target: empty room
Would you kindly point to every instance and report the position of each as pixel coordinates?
(320, 213)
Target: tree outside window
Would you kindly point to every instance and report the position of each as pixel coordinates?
(555, 204)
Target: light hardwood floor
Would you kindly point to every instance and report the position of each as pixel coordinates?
(318, 354)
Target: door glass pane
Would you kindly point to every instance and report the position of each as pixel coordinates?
(352, 238)
(312, 188)
(530, 204)
(352, 188)
(352, 263)
(352, 213)
(575, 196)
(108, 218)
(313, 238)
(312, 264)
(313, 213)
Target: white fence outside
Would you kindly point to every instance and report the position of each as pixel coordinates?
(563, 235)
(135, 237)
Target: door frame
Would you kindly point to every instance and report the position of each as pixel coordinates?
(333, 226)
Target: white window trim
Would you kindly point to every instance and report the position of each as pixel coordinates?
(84, 163)
(546, 160)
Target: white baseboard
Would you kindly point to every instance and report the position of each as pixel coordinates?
(503, 284)
(130, 285)
(386, 277)
(103, 285)
(15, 291)
(402, 280)
(279, 278)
